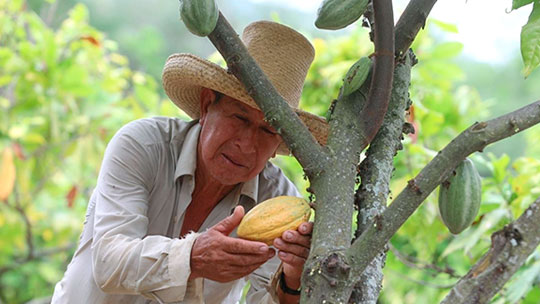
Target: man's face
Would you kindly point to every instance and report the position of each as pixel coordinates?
(235, 142)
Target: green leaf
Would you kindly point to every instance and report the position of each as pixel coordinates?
(523, 283)
(5, 79)
(74, 80)
(49, 272)
(533, 296)
(519, 3)
(79, 13)
(34, 138)
(447, 27)
(499, 167)
(530, 41)
(447, 50)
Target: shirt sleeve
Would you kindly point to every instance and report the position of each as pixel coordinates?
(125, 260)
(263, 288)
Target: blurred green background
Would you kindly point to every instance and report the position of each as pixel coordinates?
(73, 72)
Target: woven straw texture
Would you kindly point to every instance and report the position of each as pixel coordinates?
(282, 53)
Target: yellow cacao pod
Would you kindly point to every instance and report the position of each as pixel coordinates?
(269, 219)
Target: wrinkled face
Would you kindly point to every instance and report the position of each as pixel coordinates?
(235, 142)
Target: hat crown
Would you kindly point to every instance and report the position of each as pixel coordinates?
(283, 54)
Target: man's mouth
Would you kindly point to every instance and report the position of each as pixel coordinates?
(232, 161)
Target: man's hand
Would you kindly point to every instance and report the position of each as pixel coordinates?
(293, 246)
(221, 258)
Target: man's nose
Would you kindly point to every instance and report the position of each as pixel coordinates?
(247, 140)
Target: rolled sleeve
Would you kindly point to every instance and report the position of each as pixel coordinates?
(179, 268)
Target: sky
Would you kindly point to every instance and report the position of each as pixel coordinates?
(488, 29)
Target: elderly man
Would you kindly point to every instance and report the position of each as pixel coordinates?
(160, 223)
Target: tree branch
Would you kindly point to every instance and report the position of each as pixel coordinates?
(410, 22)
(510, 248)
(37, 256)
(475, 138)
(376, 169)
(422, 282)
(375, 173)
(413, 262)
(326, 272)
(383, 70)
(28, 225)
(276, 110)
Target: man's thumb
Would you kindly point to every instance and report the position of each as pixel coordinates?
(227, 225)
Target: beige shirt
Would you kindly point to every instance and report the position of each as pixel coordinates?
(129, 250)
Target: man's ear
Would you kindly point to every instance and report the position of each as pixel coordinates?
(207, 96)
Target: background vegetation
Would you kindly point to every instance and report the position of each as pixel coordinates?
(72, 73)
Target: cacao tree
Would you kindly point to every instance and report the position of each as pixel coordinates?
(341, 269)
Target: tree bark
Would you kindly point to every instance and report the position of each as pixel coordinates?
(383, 70)
(375, 173)
(510, 248)
(410, 22)
(355, 122)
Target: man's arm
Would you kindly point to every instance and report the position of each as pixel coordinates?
(125, 260)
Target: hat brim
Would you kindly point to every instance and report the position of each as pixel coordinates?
(184, 76)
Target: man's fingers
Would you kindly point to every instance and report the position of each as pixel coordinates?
(240, 246)
(306, 228)
(227, 225)
(295, 249)
(245, 260)
(293, 236)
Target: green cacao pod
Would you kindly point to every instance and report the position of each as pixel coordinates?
(199, 16)
(356, 76)
(460, 197)
(337, 14)
(269, 219)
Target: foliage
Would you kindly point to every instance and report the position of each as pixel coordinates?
(63, 94)
(530, 36)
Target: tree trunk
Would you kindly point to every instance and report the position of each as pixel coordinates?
(375, 173)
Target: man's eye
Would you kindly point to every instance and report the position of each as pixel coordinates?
(242, 118)
(268, 131)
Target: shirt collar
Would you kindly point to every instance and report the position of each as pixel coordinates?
(187, 162)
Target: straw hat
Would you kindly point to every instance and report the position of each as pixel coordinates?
(282, 53)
